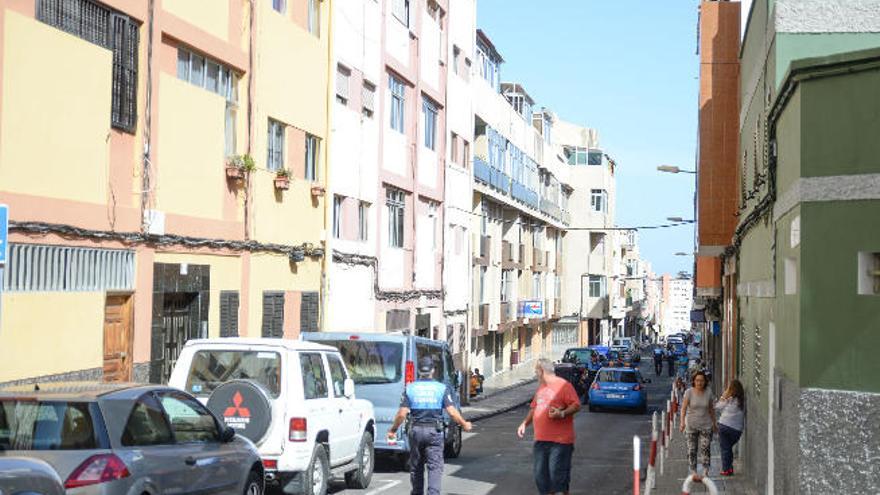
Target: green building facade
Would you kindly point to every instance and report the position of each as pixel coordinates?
(808, 244)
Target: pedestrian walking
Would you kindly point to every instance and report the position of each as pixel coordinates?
(730, 425)
(670, 360)
(698, 423)
(425, 400)
(658, 360)
(551, 415)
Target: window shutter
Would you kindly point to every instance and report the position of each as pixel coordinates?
(125, 54)
(229, 313)
(367, 95)
(273, 314)
(308, 316)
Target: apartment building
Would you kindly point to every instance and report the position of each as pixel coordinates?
(589, 244)
(170, 185)
(388, 166)
(679, 293)
(520, 212)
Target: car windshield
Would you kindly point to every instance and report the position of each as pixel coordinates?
(371, 362)
(55, 425)
(577, 355)
(612, 355)
(617, 376)
(210, 369)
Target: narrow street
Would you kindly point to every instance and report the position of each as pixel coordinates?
(494, 461)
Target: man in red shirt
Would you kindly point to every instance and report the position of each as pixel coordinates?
(552, 413)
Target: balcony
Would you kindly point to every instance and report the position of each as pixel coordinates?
(483, 255)
(507, 261)
(482, 171)
(539, 260)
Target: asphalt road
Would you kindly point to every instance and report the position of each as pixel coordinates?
(494, 461)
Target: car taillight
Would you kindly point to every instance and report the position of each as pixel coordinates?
(410, 372)
(270, 464)
(97, 469)
(595, 386)
(297, 430)
(354, 337)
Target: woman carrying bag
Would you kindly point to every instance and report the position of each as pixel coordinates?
(731, 404)
(698, 423)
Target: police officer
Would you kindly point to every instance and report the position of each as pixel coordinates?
(426, 399)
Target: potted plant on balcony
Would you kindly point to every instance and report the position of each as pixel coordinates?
(282, 179)
(318, 190)
(238, 166)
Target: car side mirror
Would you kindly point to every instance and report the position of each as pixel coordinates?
(227, 434)
(348, 388)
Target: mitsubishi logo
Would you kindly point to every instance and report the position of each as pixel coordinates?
(236, 409)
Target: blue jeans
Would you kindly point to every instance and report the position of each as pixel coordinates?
(727, 438)
(426, 450)
(552, 466)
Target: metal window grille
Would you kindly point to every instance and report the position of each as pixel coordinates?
(105, 27)
(368, 95)
(34, 267)
(343, 77)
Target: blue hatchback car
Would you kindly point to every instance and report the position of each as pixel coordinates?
(619, 388)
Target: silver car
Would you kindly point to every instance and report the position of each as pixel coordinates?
(19, 475)
(127, 439)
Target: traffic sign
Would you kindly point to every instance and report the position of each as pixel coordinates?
(4, 233)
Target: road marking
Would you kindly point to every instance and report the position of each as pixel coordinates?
(391, 484)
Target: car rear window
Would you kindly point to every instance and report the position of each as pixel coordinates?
(50, 425)
(370, 362)
(617, 376)
(210, 369)
(582, 355)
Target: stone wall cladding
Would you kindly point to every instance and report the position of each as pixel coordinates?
(785, 432)
(828, 16)
(839, 442)
(140, 374)
(755, 448)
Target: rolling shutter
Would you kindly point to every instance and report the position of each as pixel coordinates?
(273, 314)
(229, 313)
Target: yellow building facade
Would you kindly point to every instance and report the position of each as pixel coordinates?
(164, 168)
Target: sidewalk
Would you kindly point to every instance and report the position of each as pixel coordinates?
(676, 470)
(503, 392)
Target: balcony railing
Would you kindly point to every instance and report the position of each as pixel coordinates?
(482, 170)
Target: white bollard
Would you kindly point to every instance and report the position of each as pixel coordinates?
(651, 479)
(663, 440)
(637, 450)
(705, 480)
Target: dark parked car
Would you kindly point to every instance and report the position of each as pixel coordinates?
(576, 367)
(127, 438)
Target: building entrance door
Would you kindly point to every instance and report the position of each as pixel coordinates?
(118, 338)
(180, 322)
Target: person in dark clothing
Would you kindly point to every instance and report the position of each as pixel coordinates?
(658, 360)
(425, 400)
(670, 360)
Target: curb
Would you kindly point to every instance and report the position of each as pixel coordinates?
(504, 409)
(512, 386)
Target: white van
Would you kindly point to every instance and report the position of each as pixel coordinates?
(295, 400)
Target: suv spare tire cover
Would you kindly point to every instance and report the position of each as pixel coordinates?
(244, 406)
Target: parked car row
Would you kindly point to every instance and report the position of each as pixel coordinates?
(238, 416)
(605, 377)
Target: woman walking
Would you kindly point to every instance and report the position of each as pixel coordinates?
(698, 423)
(731, 404)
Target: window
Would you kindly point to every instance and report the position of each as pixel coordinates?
(536, 285)
(110, 29)
(216, 78)
(279, 5)
(398, 99)
(434, 216)
(337, 375)
(395, 201)
(594, 158)
(371, 362)
(38, 268)
(483, 295)
(273, 314)
(190, 421)
(26, 424)
(597, 286)
(313, 376)
(454, 148)
(313, 146)
(368, 97)
(869, 273)
(146, 424)
(400, 9)
(337, 215)
(211, 369)
(363, 220)
(314, 17)
(275, 148)
(598, 200)
(430, 113)
(343, 79)
(456, 60)
(466, 153)
(506, 285)
(229, 300)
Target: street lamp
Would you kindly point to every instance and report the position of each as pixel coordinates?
(679, 220)
(681, 253)
(672, 169)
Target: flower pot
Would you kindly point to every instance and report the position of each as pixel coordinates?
(318, 191)
(234, 173)
(282, 183)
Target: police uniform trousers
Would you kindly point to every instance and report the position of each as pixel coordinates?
(426, 448)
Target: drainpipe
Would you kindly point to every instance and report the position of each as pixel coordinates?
(328, 102)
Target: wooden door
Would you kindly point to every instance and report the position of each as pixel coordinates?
(118, 338)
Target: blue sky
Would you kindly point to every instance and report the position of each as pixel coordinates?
(627, 68)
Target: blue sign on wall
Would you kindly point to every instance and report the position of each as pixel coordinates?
(531, 309)
(4, 233)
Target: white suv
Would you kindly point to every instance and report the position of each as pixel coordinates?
(293, 399)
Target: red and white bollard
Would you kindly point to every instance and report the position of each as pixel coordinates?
(705, 480)
(651, 479)
(662, 440)
(637, 450)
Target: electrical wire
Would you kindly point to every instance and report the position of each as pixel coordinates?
(531, 224)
